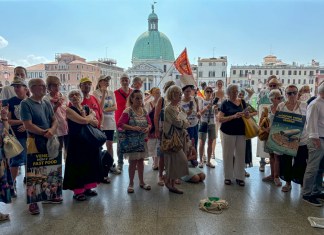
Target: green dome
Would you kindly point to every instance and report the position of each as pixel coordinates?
(153, 45)
(153, 16)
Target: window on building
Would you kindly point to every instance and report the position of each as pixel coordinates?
(298, 81)
(241, 73)
(223, 74)
(265, 72)
(310, 81)
(234, 72)
(282, 81)
(259, 72)
(264, 81)
(253, 71)
(252, 82)
(277, 72)
(271, 72)
(283, 72)
(288, 80)
(295, 72)
(299, 73)
(164, 68)
(304, 81)
(294, 81)
(311, 73)
(246, 72)
(234, 81)
(289, 72)
(224, 64)
(200, 64)
(210, 63)
(211, 74)
(214, 63)
(305, 73)
(200, 74)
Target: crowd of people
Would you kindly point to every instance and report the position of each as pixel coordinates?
(173, 129)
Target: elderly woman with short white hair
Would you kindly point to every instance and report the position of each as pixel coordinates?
(175, 162)
(233, 136)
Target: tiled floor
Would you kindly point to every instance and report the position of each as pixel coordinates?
(257, 208)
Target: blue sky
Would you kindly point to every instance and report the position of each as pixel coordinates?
(244, 30)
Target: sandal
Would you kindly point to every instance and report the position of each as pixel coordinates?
(247, 174)
(227, 182)
(286, 188)
(106, 180)
(175, 190)
(268, 178)
(130, 189)
(240, 182)
(177, 181)
(146, 187)
(277, 182)
(161, 182)
(201, 165)
(80, 197)
(90, 193)
(211, 165)
(4, 217)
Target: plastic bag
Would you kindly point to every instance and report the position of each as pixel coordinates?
(53, 145)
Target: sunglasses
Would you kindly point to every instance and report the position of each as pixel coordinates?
(278, 98)
(274, 85)
(208, 91)
(292, 93)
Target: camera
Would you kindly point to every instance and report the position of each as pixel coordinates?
(215, 101)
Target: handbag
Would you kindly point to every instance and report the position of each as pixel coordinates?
(11, 145)
(131, 142)
(174, 144)
(92, 135)
(251, 128)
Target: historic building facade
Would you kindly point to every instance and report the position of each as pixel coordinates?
(153, 56)
(210, 70)
(256, 75)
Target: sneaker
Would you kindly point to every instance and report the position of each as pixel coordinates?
(53, 201)
(33, 209)
(261, 168)
(119, 167)
(201, 165)
(320, 196)
(312, 200)
(115, 170)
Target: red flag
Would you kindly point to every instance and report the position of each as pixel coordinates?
(182, 63)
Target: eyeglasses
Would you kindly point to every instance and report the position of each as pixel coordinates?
(208, 91)
(291, 93)
(278, 98)
(274, 85)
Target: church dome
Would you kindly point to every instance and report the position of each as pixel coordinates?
(152, 44)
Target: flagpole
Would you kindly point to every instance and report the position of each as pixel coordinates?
(166, 73)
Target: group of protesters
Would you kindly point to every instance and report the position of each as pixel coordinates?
(142, 123)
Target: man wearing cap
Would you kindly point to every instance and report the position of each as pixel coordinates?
(90, 100)
(20, 88)
(8, 91)
(121, 95)
(263, 100)
(203, 86)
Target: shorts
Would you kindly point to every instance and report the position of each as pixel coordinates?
(109, 134)
(211, 131)
(21, 159)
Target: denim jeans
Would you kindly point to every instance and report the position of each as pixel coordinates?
(314, 171)
(193, 133)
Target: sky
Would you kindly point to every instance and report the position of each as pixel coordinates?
(245, 31)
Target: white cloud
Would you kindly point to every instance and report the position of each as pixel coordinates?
(30, 60)
(3, 42)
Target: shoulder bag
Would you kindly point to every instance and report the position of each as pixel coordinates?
(251, 128)
(11, 145)
(174, 144)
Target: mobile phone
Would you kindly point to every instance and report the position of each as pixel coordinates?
(215, 100)
(190, 104)
(4, 103)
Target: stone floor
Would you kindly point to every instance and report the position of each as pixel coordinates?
(257, 208)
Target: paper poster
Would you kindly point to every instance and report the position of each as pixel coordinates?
(285, 133)
(44, 177)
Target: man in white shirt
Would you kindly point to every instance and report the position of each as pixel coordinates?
(313, 178)
(9, 91)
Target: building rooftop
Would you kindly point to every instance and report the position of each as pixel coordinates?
(36, 67)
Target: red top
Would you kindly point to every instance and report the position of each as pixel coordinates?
(93, 104)
(121, 99)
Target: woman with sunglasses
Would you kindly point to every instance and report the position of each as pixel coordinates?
(293, 168)
(207, 109)
(275, 98)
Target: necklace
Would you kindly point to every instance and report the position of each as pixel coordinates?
(138, 112)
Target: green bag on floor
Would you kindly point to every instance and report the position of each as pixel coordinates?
(213, 205)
